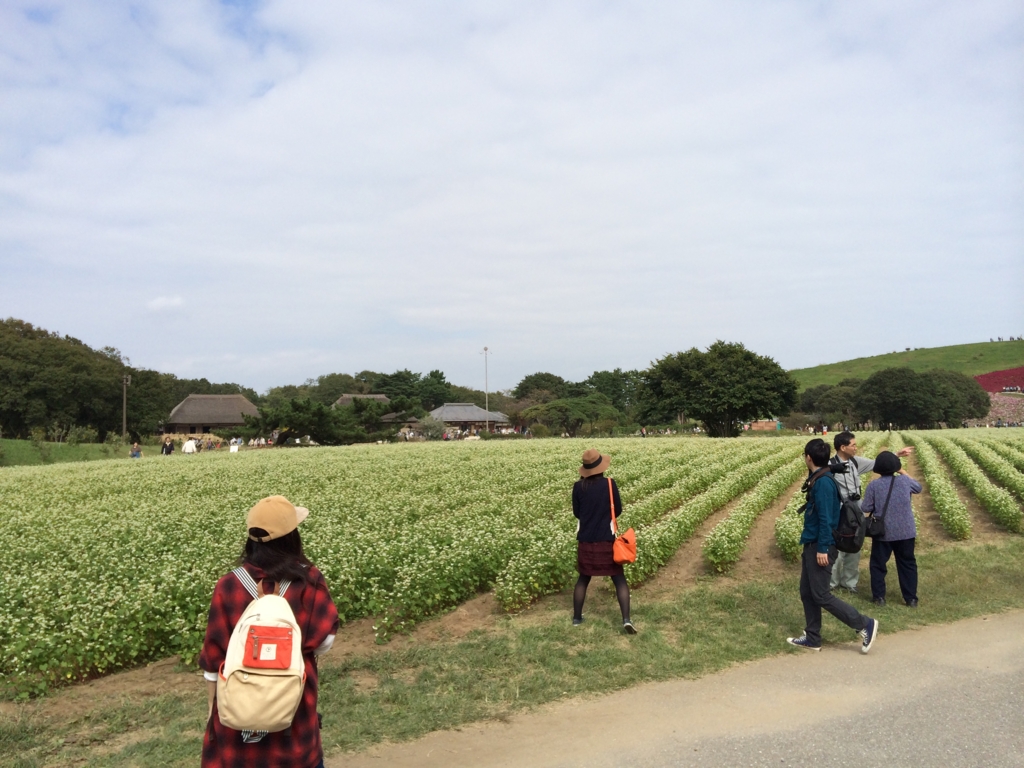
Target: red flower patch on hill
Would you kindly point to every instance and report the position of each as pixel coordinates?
(995, 381)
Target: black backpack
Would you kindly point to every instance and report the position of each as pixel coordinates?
(849, 535)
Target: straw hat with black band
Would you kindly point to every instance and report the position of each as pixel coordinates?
(276, 516)
(594, 463)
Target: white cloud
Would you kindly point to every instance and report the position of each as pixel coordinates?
(348, 186)
(164, 303)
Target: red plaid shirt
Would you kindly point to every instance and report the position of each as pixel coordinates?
(299, 746)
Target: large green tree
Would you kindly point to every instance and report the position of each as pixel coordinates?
(619, 386)
(904, 398)
(722, 387)
(540, 386)
(569, 414)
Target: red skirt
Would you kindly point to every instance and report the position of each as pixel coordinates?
(594, 558)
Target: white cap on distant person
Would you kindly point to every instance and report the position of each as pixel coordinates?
(275, 515)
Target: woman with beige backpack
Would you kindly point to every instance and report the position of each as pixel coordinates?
(269, 620)
(596, 505)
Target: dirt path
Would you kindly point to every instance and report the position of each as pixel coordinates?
(956, 685)
(762, 556)
(931, 532)
(687, 564)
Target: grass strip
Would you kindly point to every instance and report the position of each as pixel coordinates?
(400, 694)
(952, 511)
(724, 545)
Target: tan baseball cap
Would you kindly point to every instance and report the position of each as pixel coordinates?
(275, 515)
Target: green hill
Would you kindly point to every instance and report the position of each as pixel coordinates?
(972, 359)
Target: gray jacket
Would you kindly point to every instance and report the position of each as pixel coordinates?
(848, 482)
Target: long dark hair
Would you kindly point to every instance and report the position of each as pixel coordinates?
(280, 558)
(586, 482)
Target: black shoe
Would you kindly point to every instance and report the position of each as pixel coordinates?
(879, 601)
(912, 603)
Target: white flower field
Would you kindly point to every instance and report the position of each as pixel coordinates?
(109, 564)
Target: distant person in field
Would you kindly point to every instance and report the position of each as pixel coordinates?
(900, 530)
(167, 448)
(592, 498)
(271, 556)
(135, 452)
(846, 571)
(821, 517)
(189, 447)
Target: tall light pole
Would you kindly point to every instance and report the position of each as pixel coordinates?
(126, 381)
(487, 400)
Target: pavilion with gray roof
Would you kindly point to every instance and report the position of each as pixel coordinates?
(467, 416)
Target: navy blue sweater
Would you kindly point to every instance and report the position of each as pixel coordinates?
(591, 507)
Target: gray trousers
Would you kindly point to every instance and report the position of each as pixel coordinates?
(846, 571)
(815, 595)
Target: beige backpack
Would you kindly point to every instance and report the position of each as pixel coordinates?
(261, 680)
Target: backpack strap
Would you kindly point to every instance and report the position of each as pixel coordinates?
(252, 587)
(247, 581)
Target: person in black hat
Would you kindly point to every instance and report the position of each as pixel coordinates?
(889, 496)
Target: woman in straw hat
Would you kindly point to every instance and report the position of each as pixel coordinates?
(592, 497)
(272, 554)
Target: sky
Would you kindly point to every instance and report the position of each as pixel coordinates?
(264, 192)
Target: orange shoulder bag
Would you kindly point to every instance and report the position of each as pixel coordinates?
(624, 548)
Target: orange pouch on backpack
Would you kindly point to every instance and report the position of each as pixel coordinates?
(624, 548)
(268, 648)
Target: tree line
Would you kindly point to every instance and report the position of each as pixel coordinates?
(55, 383)
(52, 384)
(901, 397)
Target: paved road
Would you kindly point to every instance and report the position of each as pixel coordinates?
(946, 696)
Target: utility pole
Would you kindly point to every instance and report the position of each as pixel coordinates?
(487, 398)
(126, 381)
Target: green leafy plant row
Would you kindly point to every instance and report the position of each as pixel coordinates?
(724, 545)
(1009, 452)
(952, 511)
(995, 465)
(999, 502)
(657, 543)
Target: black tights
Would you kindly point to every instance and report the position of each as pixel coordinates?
(579, 594)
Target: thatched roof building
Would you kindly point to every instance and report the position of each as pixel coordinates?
(467, 416)
(344, 400)
(204, 413)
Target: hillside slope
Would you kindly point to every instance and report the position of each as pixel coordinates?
(972, 359)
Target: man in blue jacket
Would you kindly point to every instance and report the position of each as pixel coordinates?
(821, 517)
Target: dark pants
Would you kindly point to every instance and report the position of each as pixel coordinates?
(906, 567)
(815, 594)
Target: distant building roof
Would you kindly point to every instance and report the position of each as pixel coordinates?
(347, 399)
(212, 410)
(455, 413)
